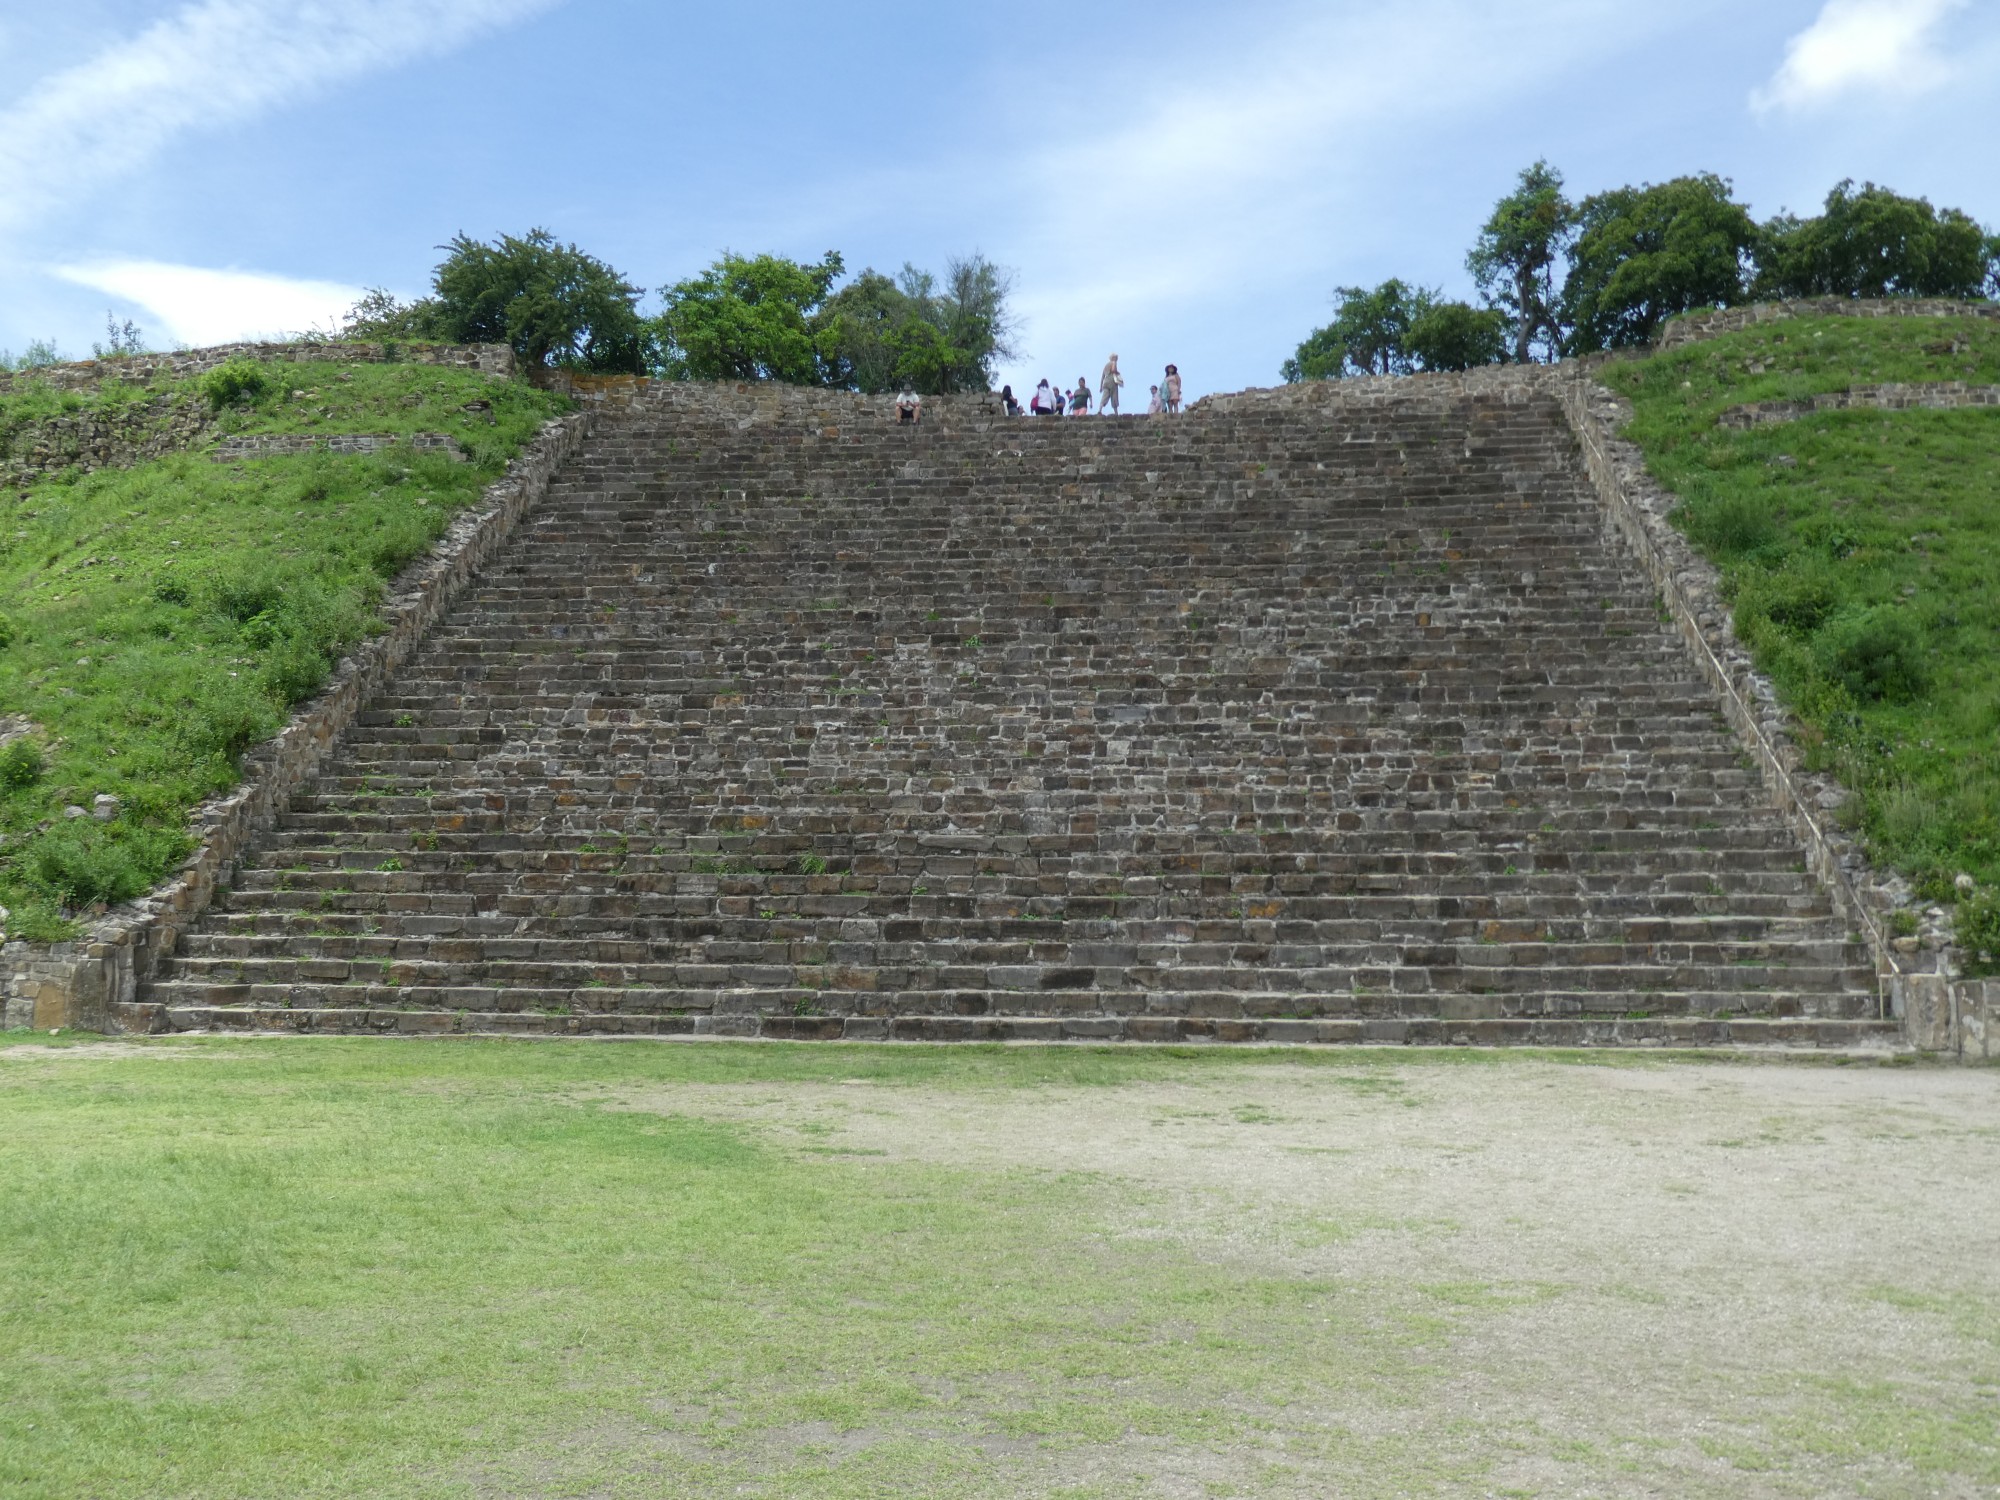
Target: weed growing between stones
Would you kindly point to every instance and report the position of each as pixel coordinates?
(160, 620)
(1860, 551)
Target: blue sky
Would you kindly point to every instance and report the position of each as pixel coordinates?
(1175, 181)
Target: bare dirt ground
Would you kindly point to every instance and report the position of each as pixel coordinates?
(1667, 1279)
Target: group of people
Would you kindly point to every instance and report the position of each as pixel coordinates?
(1053, 401)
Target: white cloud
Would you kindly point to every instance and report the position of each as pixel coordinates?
(1881, 45)
(203, 307)
(1258, 163)
(210, 64)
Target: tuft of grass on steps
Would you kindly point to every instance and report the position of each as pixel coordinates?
(1860, 551)
(157, 621)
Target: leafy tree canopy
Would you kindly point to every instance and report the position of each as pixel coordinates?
(1457, 336)
(877, 334)
(1875, 243)
(1514, 260)
(747, 318)
(1369, 334)
(553, 303)
(1395, 329)
(1643, 254)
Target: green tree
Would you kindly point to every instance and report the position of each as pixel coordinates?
(1874, 243)
(877, 334)
(1457, 336)
(381, 317)
(1514, 260)
(1321, 357)
(1369, 334)
(1643, 254)
(748, 318)
(554, 304)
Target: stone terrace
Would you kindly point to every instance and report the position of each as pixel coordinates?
(1279, 721)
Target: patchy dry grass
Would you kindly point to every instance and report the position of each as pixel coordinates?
(255, 1268)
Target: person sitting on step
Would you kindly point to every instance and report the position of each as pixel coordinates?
(1007, 402)
(909, 408)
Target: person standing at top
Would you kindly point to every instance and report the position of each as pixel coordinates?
(1079, 399)
(1043, 401)
(1170, 388)
(1155, 406)
(1109, 384)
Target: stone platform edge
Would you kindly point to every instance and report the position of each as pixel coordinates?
(90, 983)
(1938, 1012)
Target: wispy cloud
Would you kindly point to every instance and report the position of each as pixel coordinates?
(1260, 164)
(1880, 45)
(211, 63)
(200, 306)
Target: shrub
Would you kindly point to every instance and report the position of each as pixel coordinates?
(83, 861)
(1798, 602)
(235, 381)
(1978, 927)
(1876, 654)
(20, 764)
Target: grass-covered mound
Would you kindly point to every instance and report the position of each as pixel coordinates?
(1861, 553)
(157, 621)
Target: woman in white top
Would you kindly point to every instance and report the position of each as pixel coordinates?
(1156, 405)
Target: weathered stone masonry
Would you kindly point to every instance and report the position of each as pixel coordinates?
(746, 940)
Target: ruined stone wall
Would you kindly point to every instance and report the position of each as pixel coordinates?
(87, 441)
(1940, 395)
(1692, 328)
(144, 369)
(173, 422)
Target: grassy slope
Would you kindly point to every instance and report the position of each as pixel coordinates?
(416, 1269)
(1862, 553)
(156, 621)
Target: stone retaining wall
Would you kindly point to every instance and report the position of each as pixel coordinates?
(1692, 328)
(1939, 1012)
(294, 444)
(87, 441)
(173, 423)
(143, 369)
(1943, 395)
(78, 983)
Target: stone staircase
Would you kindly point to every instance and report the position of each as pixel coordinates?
(1262, 724)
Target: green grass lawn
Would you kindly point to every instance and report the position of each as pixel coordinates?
(1861, 553)
(156, 621)
(330, 1268)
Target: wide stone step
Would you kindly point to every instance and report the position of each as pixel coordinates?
(1213, 1005)
(1257, 726)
